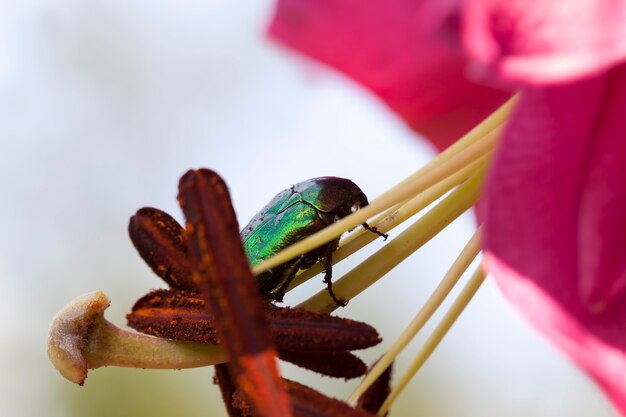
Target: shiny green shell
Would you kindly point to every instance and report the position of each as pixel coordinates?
(293, 215)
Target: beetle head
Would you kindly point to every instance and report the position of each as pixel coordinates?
(336, 196)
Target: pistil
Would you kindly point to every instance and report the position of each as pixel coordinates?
(81, 339)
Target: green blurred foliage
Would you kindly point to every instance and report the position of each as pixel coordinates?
(130, 392)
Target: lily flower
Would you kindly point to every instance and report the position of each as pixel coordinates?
(213, 312)
(554, 201)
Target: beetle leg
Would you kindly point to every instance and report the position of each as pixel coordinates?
(287, 275)
(328, 276)
(373, 229)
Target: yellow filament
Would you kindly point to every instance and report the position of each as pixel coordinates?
(435, 338)
(458, 268)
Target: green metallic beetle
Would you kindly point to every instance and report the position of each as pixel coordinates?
(293, 215)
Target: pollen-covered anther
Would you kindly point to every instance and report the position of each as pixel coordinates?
(162, 244)
(318, 342)
(172, 314)
(305, 402)
(302, 330)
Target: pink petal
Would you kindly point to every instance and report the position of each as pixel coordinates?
(405, 51)
(602, 235)
(555, 221)
(543, 41)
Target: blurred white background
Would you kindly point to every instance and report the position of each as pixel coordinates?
(105, 104)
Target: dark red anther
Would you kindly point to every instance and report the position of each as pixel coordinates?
(318, 342)
(338, 364)
(302, 330)
(377, 393)
(223, 277)
(305, 402)
(228, 387)
(172, 314)
(162, 243)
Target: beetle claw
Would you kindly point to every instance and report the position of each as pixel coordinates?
(373, 229)
(338, 301)
(328, 277)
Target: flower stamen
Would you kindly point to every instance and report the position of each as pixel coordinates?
(457, 269)
(437, 336)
